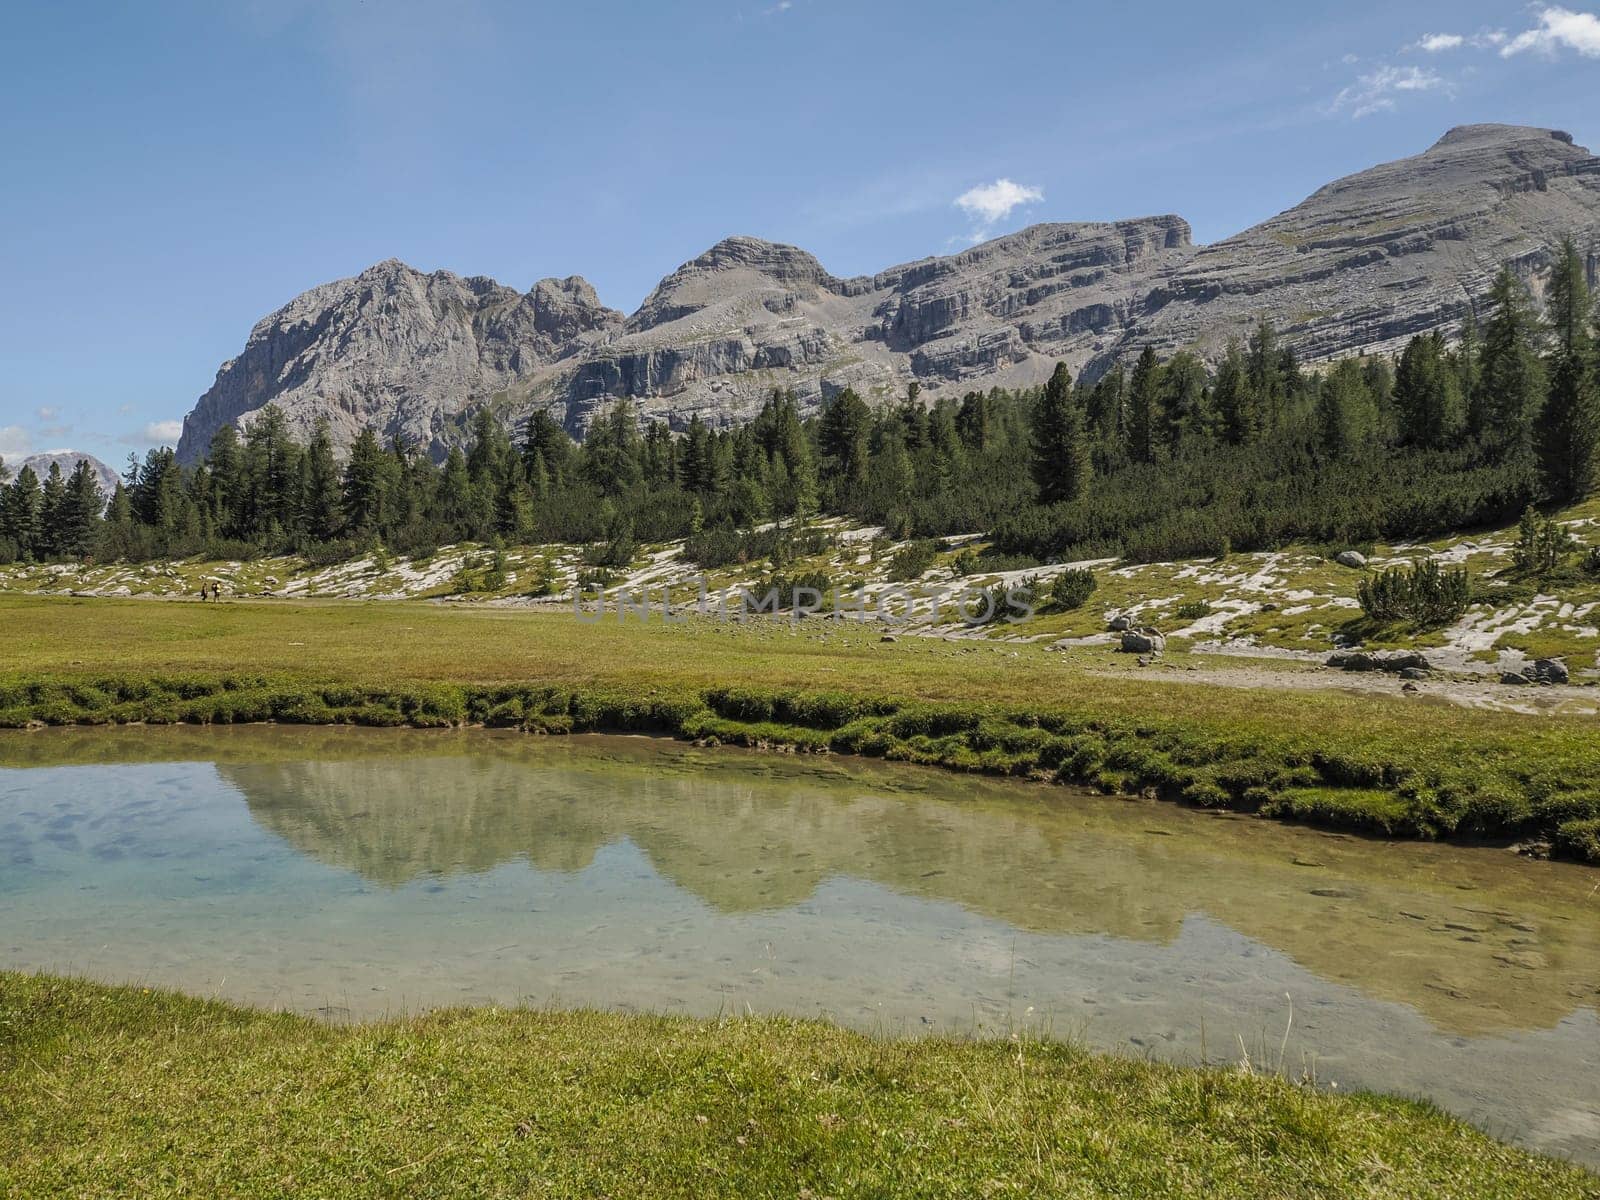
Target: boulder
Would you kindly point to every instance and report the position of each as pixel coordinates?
(1121, 624)
(1143, 641)
(1351, 558)
(1549, 670)
(1378, 660)
(1512, 677)
(1413, 673)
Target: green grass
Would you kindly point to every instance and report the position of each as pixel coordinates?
(1000, 708)
(123, 1091)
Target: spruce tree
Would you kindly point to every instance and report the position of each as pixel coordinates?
(322, 499)
(1144, 402)
(1059, 458)
(1231, 393)
(52, 503)
(1511, 376)
(1264, 369)
(1570, 426)
(1347, 417)
(19, 519)
(363, 486)
(1427, 394)
(80, 510)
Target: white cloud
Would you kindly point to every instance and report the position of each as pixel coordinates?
(156, 433)
(165, 433)
(46, 413)
(990, 203)
(1435, 43)
(1559, 29)
(1489, 38)
(1376, 92)
(14, 442)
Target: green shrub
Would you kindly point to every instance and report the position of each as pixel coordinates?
(1424, 594)
(1193, 610)
(912, 560)
(1072, 588)
(1542, 544)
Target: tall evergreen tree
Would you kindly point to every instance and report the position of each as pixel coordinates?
(1144, 405)
(1511, 376)
(19, 517)
(80, 510)
(1570, 427)
(1347, 417)
(322, 499)
(363, 490)
(1427, 395)
(1060, 462)
(52, 504)
(1265, 371)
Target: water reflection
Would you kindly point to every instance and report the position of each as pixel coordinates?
(359, 871)
(1475, 939)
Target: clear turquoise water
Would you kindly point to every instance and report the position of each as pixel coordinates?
(353, 873)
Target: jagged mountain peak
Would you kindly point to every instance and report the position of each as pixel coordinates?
(1362, 264)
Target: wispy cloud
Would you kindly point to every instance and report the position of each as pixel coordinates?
(1558, 29)
(1378, 90)
(1436, 43)
(990, 203)
(156, 433)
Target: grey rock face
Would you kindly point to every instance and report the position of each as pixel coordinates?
(1353, 559)
(67, 460)
(1362, 264)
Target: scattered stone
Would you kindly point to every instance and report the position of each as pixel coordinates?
(1512, 677)
(1143, 641)
(888, 637)
(1351, 558)
(1121, 624)
(1414, 673)
(1378, 660)
(1550, 670)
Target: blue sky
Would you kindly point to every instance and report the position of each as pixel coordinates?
(175, 171)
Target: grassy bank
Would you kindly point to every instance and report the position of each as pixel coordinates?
(112, 1091)
(1391, 767)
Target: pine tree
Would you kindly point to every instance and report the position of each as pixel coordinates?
(1059, 457)
(322, 493)
(1186, 402)
(1231, 394)
(842, 437)
(1570, 425)
(1511, 377)
(1347, 417)
(545, 439)
(1144, 404)
(1427, 395)
(19, 519)
(52, 502)
(1264, 369)
(80, 510)
(364, 478)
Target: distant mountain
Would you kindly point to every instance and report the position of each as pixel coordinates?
(1362, 264)
(68, 460)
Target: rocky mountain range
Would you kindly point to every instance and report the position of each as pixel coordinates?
(1361, 265)
(67, 460)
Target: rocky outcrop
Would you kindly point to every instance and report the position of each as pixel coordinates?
(1361, 265)
(68, 461)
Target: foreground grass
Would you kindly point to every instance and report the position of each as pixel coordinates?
(1391, 767)
(118, 1091)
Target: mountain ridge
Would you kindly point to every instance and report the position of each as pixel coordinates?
(1361, 264)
